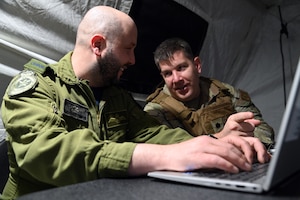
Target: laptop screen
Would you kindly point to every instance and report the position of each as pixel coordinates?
(287, 148)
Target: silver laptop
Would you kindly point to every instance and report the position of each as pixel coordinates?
(282, 165)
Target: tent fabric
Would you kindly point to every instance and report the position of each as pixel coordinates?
(252, 44)
(47, 27)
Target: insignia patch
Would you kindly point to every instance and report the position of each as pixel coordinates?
(25, 81)
(75, 110)
(116, 119)
(36, 65)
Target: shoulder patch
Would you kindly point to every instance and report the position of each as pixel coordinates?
(36, 65)
(24, 81)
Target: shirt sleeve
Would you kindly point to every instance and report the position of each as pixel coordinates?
(148, 129)
(158, 112)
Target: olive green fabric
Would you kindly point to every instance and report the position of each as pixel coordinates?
(59, 135)
(209, 113)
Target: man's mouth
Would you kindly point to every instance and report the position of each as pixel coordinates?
(123, 68)
(182, 89)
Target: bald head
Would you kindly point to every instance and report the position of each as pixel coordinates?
(103, 20)
(104, 47)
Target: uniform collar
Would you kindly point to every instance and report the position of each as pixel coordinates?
(65, 70)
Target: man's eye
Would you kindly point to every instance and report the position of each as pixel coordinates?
(166, 74)
(181, 68)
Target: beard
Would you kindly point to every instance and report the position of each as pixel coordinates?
(109, 67)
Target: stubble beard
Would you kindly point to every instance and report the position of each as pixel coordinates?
(109, 67)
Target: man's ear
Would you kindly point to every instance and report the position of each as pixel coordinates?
(98, 44)
(197, 63)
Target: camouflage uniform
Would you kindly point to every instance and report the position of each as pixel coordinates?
(208, 113)
(59, 135)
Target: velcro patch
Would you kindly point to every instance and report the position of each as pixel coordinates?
(75, 110)
(36, 65)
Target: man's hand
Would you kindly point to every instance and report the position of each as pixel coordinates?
(251, 147)
(230, 153)
(242, 124)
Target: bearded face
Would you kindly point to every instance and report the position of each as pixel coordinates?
(110, 68)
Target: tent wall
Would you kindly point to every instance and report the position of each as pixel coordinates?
(242, 45)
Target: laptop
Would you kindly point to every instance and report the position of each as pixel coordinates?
(281, 167)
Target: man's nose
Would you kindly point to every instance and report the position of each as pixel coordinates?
(132, 59)
(176, 77)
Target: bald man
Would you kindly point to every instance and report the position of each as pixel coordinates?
(68, 122)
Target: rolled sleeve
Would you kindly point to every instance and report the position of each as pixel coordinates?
(116, 159)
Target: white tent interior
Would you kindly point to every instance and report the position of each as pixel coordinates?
(252, 44)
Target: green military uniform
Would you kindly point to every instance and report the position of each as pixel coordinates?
(59, 135)
(208, 113)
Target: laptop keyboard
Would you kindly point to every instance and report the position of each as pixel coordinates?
(258, 171)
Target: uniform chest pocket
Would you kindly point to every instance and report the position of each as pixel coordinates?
(213, 118)
(116, 123)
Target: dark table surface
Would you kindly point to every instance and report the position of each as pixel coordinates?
(150, 188)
